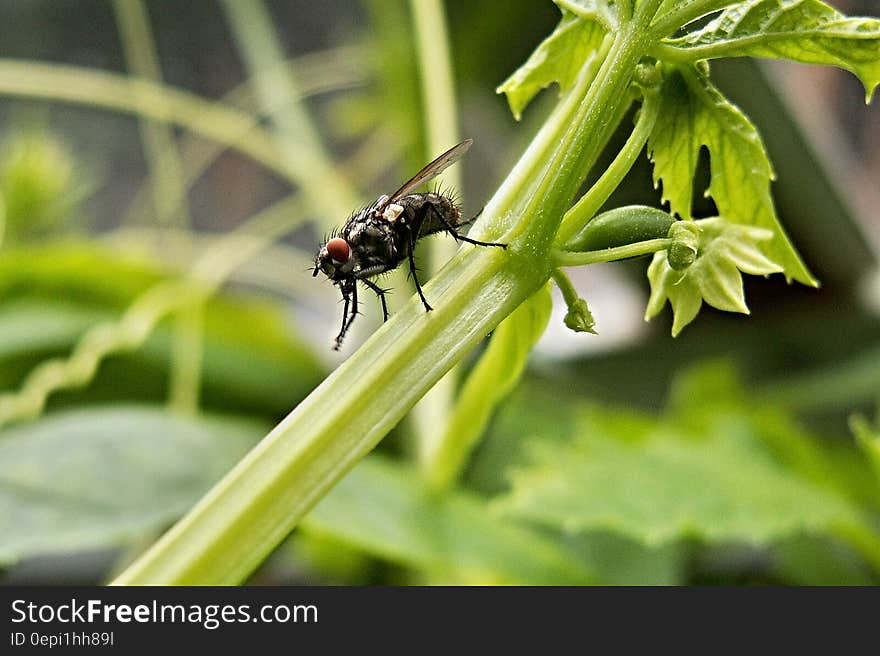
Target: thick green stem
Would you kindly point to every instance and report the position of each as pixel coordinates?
(586, 208)
(588, 130)
(239, 522)
(571, 258)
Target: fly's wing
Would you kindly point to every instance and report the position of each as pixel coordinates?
(430, 171)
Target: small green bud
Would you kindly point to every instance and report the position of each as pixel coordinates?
(648, 73)
(579, 318)
(685, 245)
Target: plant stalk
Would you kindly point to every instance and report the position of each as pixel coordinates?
(572, 258)
(591, 202)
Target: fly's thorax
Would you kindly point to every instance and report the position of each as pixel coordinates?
(374, 240)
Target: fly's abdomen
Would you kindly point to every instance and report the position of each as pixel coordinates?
(437, 211)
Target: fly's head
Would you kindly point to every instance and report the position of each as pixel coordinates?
(334, 259)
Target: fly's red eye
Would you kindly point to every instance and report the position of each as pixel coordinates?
(339, 249)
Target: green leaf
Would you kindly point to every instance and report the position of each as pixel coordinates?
(97, 478)
(704, 391)
(667, 483)
(818, 560)
(723, 250)
(802, 30)
(554, 414)
(604, 11)
(387, 510)
(491, 380)
(559, 58)
(668, 6)
(695, 114)
(621, 560)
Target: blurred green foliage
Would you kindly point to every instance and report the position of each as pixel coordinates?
(632, 467)
(38, 183)
(106, 476)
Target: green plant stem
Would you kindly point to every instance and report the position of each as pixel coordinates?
(491, 379)
(435, 70)
(584, 126)
(563, 282)
(441, 132)
(590, 203)
(242, 519)
(572, 258)
(236, 525)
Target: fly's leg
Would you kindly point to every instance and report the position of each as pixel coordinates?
(381, 294)
(451, 229)
(338, 341)
(476, 242)
(347, 317)
(459, 237)
(412, 270)
(354, 302)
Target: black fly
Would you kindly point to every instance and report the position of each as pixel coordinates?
(378, 238)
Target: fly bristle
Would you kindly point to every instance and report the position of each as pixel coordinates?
(450, 193)
(355, 213)
(330, 235)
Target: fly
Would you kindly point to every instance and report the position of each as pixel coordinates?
(379, 237)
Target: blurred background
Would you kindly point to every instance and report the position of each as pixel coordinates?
(167, 171)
